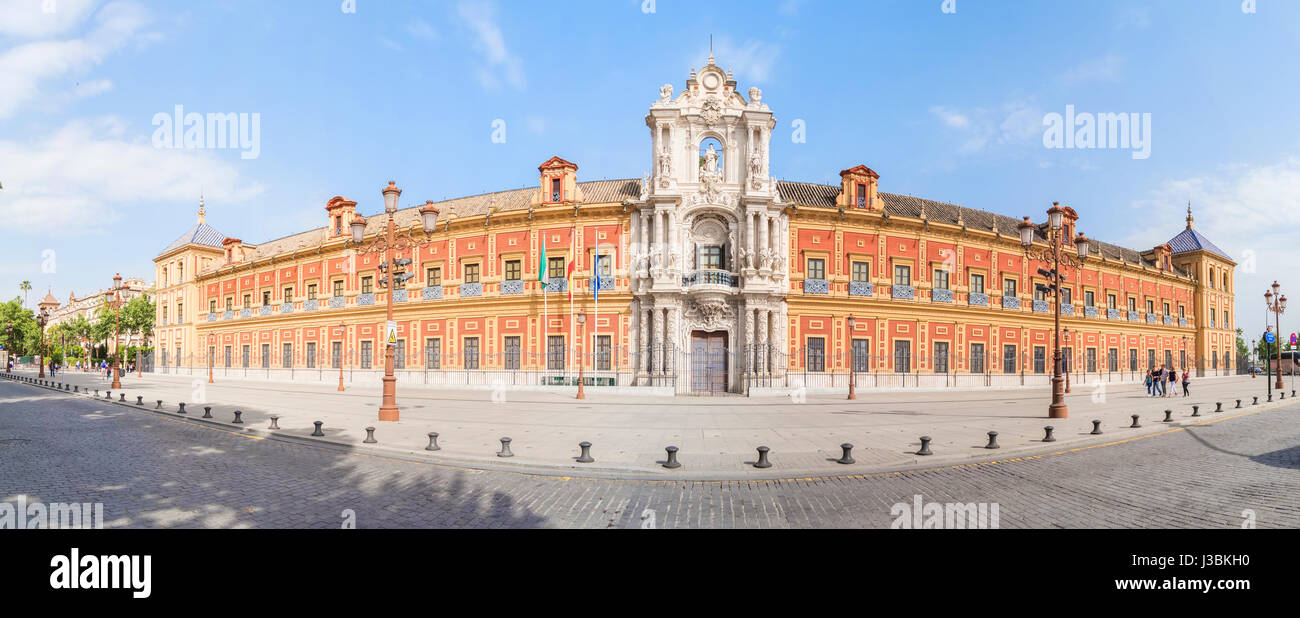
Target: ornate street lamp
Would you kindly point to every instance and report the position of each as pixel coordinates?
(113, 298)
(1276, 303)
(1057, 259)
(1067, 365)
(582, 321)
(853, 361)
(42, 319)
(387, 245)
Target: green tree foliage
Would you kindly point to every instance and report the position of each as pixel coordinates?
(26, 335)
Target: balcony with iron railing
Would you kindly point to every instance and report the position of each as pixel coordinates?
(706, 277)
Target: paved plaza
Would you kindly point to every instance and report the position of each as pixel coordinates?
(151, 470)
(717, 436)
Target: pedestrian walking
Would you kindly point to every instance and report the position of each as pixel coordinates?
(1187, 379)
(1149, 383)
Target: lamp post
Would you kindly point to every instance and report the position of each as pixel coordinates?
(9, 341)
(1067, 365)
(342, 331)
(853, 382)
(42, 319)
(1276, 303)
(1053, 256)
(387, 245)
(113, 298)
(582, 322)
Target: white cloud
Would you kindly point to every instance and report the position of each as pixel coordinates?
(88, 173)
(42, 18)
(1016, 122)
(390, 44)
(25, 68)
(1239, 208)
(1100, 70)
(751, 61)
(499, 64)
(421, 29)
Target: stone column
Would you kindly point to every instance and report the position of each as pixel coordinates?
(764, 237)
(656, 330)
(643, 348)
(763, 327)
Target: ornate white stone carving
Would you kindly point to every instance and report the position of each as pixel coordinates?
(711, 111)
(666, 93)
(711, 315)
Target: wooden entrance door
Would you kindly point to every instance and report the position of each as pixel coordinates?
(709, 362)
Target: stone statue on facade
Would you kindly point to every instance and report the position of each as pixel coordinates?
(710, 161)
(665, 93)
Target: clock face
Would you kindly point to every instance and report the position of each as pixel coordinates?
(712, 81)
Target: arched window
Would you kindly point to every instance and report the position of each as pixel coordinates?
(711, 156)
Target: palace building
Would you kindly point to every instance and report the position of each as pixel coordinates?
(711, 276)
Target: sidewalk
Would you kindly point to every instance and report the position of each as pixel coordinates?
(717, 437)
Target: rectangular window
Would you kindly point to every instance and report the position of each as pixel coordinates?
(1169, 358)
(288, 294)
(862, 195)
(977, 358)
(286, 355)
(555, 353)
(511, 349)
(513, 271)
(433, 353)
(941, 279)
(212, 306)
(862, 355)
(1212, 319)
(1110, 302)
(1112, 359)
(266, 298)
(603, 355)
(266, 356)
(367, 285)
(902, 275)
(471, 352)
(1090, 360)
(862, 271)
(1089, 298)
(1151, 358)
(1067, 359)
(977, 283)
(471, 273)
(248, 301)
(1133, 359)
(1040, 359)
(1182, 311)
(902, 356)
(338, 287)
(816, 268)
(555, 268)
(1008, 359)
(432, 277)
(227, 357)
(555, 189)
(243, 357)
(1132, 304)
(367, 353)
(1225, 319)
(941, 357)
(711, 258)
(230, 303)
(180, 312)
(336, 354)
(1040, 293)
(399, 354)
(311, 292)
(311, 354)
(1166, 308)
(604, 264)
(1151, 307)
(1008, 287)
(1214, 359)
(815, 354)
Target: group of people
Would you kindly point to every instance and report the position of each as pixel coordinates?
(1163, 382)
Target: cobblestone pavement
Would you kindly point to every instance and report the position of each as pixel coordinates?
(153, 471)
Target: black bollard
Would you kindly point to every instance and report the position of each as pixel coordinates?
(1218, 405)
(1196, 410)
(762, 458)
(96, 393)
(76, 389)
(121, 397)
(505, 448)
(585, 457)
(672, 458)
(370, 436)
(1254, 401)
(1281, 394)
(1238, 406)
(925, 446)
(1049, 437)
(318, 433)
(238, 420)
(847, 457)
(1135, 422)
(275, 422)
(108, 394)
(1096, 428)
(139, 400)
(433, 442)
(159, 406)
(1169, 416)
(993, 440)
(180, 408)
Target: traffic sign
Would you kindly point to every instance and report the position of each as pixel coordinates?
(1293, 339)
(392, 332)
(1268, 336)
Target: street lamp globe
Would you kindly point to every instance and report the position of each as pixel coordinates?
(1268, 298)
(429, 216)
(358, 228)
(1083, 244)
(851, 322)
(1026, 232)
(1281, 303)
(1275, 287)
(391, 193)
(1054, 215)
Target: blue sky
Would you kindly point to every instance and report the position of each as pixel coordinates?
(944, 105)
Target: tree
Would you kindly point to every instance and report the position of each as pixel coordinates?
(1243, 351)
(138, 318)
(25, 287)
(25, 337)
